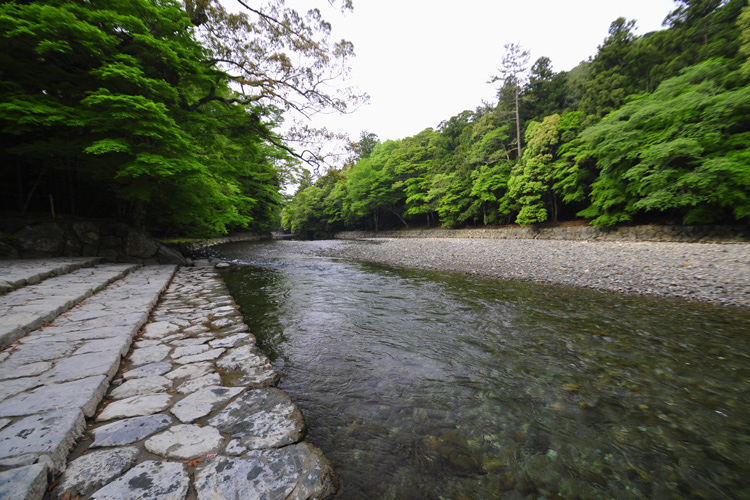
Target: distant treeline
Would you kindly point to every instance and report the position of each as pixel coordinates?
(654, 127)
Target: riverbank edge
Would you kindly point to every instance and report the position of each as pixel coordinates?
(658, 233)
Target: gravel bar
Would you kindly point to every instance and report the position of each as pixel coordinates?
(713, 273)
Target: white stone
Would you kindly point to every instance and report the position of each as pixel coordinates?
(24, 483)
(130, 430)
(93, 470)
(185, 442)
(191, 371)
(150, 480)
(199, 383)
(141, 386)
(296, 472)
(190, 350)
(149, 355)
(231, 340)
(159, 329)
(48, 434)
(202, 402)
(197, 358)
(149, 370)
(135, 406)
(84, 394)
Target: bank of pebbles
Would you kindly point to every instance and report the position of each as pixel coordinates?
(713, 273)
(194, 414)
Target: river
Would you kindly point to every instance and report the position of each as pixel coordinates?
(433, 385)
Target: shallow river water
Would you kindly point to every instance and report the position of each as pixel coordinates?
(430, 385)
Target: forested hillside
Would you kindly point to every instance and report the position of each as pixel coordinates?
(653, 128)
(154, 110)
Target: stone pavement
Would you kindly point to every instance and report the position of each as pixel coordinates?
(190, 410)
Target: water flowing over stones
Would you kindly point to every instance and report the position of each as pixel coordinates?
(192, 362)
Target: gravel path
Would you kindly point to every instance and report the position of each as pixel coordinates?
(713, 273)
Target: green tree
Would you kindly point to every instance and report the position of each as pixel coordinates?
(682, 150)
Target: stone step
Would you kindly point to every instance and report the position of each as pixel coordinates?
(30, 307)
(18, 273)
(57, 375)
(194, 413)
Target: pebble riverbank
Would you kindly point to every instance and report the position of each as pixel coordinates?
(713, 273)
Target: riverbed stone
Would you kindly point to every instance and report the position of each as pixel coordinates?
(131, 430)
(202, 402)
(296, 472)
(184, 442)
(24, 483)
(84, 394)
(90, 472)
(191, 371)
(48, 434)
(193, 385)
(149, 370)
(149, 355)
(150, 480)
(135, 406)
(141, 386)
(262, 418)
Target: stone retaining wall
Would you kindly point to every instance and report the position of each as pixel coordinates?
(685, 234)
(62, 237)
(188, 248)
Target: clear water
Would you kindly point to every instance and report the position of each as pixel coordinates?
(429, 385)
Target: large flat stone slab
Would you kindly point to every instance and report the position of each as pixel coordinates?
(190, 372)
(48, 435)
(202, 402)
(84, 394)
(149, 370)
(146, 355)
(83, 366)
(185, 441)
(24, 483)
(141, 386)
(297, 472)
(150, 480)
(262, 418)
(130, 430)
(90, 472)
(135, 407)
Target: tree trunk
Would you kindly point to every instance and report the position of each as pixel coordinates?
(518, 125)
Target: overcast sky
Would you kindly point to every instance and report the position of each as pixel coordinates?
(423, 61)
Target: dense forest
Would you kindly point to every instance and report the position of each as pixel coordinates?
(160, 112)
(653, 128)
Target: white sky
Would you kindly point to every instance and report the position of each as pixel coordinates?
(423, 61)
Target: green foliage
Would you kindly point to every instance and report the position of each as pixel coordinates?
(683, 149)
(118, 94)
(654, 126)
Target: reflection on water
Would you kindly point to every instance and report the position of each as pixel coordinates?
(428, 385)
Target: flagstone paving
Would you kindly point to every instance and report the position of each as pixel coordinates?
(179, 405)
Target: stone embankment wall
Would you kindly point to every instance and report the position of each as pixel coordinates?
(684, 234)
(113, 241)
(189, 248)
